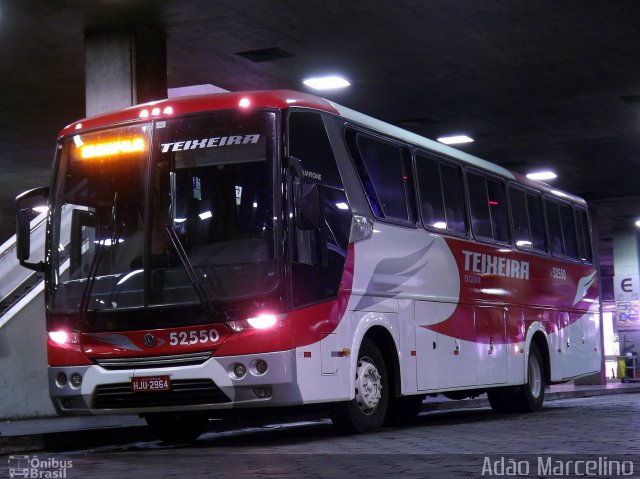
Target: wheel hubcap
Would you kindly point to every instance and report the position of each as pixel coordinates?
(368, 386)
(535, 376)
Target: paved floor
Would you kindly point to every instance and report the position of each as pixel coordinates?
(70, 432)
(562, 439)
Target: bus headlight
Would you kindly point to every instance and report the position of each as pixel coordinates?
(76, 380)
(261, 321)
(261, 366)
(61, 379)
(239, 370)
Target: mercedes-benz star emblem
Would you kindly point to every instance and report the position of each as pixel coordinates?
(149, 340)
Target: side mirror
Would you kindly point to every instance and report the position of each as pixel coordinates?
(308, 203)
(25, 204)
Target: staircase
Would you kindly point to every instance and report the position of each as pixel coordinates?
(17, 282)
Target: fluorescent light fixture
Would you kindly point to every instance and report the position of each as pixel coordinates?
(638, 223)
(326, 83)
(205, 215)
(542, 175)
(455, 140)
(342, 206)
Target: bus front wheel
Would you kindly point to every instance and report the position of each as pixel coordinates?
(366, 412)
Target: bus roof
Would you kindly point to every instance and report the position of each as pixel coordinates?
(282, 99)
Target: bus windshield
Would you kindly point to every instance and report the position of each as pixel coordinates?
(170, 212)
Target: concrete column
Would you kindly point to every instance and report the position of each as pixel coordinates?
(124, 67)
(626, 266)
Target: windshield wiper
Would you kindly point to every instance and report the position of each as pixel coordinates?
(91, 278)
(106, 233)
(191, 274)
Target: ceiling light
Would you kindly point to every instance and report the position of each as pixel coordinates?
(638, 223)
(326, 83)
(455, 140)
(542, 175)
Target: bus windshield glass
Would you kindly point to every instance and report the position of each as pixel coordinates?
(175, 211)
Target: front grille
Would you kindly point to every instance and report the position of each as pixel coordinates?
(184, 392)
(188, 359)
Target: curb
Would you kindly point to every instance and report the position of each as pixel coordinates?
(55, 441)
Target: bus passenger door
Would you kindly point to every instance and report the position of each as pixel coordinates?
(491, 345)
(576, 360)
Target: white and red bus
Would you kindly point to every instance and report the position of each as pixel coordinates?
(275, 249)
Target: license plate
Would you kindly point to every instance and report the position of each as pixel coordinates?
(150, 383)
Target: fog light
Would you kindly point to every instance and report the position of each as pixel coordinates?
(67, 403)
(239, 370)
(261, 366)
(61, 379)
(262, 393)
(76, 380)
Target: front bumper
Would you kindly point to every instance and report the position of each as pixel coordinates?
(211, 385)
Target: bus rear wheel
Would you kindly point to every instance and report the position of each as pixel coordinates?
(530, 396)
(526, 398)
(366, 412)
(177, 428)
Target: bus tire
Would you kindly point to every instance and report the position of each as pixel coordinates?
(530, 396)
(366, 412)
(503, 400)
(403, 409)
(526, 398)
(177, 428)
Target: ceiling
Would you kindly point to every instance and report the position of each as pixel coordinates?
(537, 84)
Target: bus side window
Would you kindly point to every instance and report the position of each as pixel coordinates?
(554, 227)
(454, 198)
(536, 221)
(568, 231)
(478, 199)
(528, 219)
(489, 214)
(584, 236)
(441, 207)
(385, 171)
(520, 218)
(562, 230)
(499, 211)
(430, 191)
